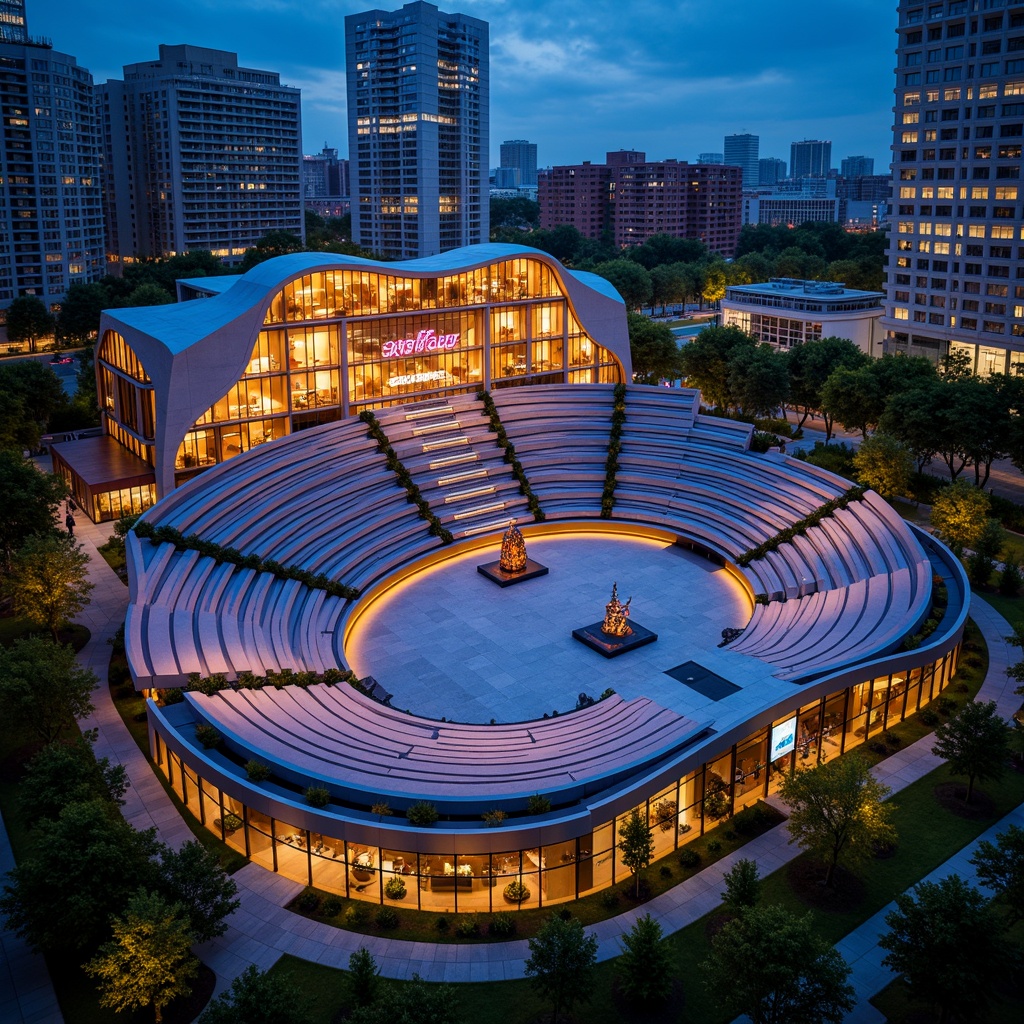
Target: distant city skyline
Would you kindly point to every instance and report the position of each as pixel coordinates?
(575, 76)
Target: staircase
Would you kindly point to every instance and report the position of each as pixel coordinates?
(452, 455)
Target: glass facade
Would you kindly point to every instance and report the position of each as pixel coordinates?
(467, 878)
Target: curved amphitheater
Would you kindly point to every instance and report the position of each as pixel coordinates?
(842, 600)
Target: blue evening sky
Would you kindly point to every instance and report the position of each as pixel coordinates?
(578, 77)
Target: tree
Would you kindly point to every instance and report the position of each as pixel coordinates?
(68, 772)
(712, 287)
(28, 319)
(837, 810)
(83, 867)
(636, 844)
(31, 392)
(948, 946)
(810, 365)
(149, 294)
(1016, 670)
(79, 318)
(910, 417)
(959, 513)
(48, 583)
(273, 243)
(149, 961)
(193, 878)
(1000, 867)
(644, 970)
(42, 686)
(769, 964)
(413, 1003)
(629, 279)
(654, 350)
(742, 886)
(363, 976)
(30, 503)
(258, 997)
(975, 742)
(759, 380)
(884, 464)
(707, 360)
(853, 398)
(561, 962)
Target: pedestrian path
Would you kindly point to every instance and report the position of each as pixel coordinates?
(262, 930)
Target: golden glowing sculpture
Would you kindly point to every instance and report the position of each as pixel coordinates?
(513, 550)
(616, 615)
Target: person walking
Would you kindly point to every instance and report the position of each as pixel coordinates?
(69, 522)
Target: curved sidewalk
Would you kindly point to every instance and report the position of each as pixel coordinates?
(262, 930)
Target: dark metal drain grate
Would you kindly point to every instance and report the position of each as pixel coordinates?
(705, 682)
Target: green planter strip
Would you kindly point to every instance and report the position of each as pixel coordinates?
(611, 465)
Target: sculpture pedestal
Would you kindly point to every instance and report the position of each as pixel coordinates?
(492, 570)
(612, 646)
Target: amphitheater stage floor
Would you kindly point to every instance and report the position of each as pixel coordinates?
(448, 643)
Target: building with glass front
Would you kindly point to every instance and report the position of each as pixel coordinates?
(311, 338)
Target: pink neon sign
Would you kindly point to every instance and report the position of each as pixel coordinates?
(425, 341)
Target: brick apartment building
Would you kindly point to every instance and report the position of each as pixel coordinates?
(628, 199)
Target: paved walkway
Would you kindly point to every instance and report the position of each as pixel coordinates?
(261, 930)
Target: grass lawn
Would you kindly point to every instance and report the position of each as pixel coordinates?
(12, 629)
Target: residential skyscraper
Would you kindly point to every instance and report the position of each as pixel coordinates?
(630, 198)
(521, 156)
(51, 224)
(199, 153)
(811, 158)
(770, 170)
(857, 166)
(711, 158)
(418, 127)
(741, 151)
(324, 175)
(954, 270)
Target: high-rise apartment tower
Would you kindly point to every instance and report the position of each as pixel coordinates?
(811, 158)
(857, 166)
(954, 278)
(418, 88)
(520, 156)
(51, 219)
(741, 151)
(199, 153)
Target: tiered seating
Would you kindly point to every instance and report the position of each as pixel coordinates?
(338, 735)
(560, 433)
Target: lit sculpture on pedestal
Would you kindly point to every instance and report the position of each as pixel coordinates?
(616, 615)
(614, 635)
(513, 550)
(513, 566)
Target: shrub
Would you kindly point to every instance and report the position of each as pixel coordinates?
(386, 918)
(257, 770)
(946, 705)
(502, 925)
(317, 796)
(714, 846)
(331, 906)
(609, 899)
(516, 892)
(538, 804)
(467, 926)
(930, 717)
(666, 871)
(207, 736)
(689, 858)
(356, 915)
(1011, 578)
(307, 901)
(382, 809)
(442, 924)
(422, 814)
(232, 822)
(893, 740)
(492, 819)
(394, 888)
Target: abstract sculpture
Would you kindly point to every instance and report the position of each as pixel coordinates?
(616, 615)
(513, 550)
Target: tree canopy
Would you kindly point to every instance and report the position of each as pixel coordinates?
(192, 878)
(654, 350)
(975, 742)
(644, 970)
(707, 362)
(28, 319)
(837, 810)
(258, 997)
(48, 582)
(561, 962)
(769, 964)
(29, 508)
(636, 843)
(1000, 868)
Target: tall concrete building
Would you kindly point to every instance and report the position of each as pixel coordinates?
(711, 158)
(418, 128)
(51, 211)
(520, 156)
(198, 153)
(629, 198)
(857, 167)
(954, 280)
(811, 158)
(741, 151)
(770, 170)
